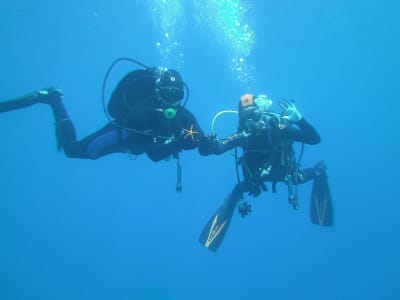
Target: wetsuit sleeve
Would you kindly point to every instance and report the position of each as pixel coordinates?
(191, 133)
(211, 145)
(305, 133)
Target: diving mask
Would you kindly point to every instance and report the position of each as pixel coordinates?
(169, 86)
(262, 102)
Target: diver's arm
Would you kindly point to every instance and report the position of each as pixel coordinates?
(212, 145)
(235, 140)
(306, 133)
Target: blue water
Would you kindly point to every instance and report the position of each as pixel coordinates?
(115, 228)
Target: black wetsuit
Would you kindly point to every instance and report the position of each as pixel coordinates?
(268, 156)
(267, 153)
(139, 126)
(163, 139)
(138, 122)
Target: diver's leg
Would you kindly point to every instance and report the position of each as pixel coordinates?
(107, 140)
(65, 129)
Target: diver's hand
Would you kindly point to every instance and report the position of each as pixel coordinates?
(290, 111)
(207, 144)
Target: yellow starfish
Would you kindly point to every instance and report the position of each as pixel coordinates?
(190, 132)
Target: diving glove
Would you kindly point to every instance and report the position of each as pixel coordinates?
(290, 112)
(207, 144)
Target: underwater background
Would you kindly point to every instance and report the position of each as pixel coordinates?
(115, 228)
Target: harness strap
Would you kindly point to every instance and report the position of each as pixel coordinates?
(178, 174)
(177, 134)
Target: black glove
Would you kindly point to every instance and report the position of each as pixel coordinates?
(207, 144)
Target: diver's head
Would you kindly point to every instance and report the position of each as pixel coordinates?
(250, 103)
(169, 86)
(251, 109)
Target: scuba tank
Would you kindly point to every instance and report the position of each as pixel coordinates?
(125, 96)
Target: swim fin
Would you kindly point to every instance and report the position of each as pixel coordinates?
(18, 103)
(46, 96)
(321, 208)
(217, 226)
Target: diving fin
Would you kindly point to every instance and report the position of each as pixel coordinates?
(217, 226)
(46, 96)
(321, 208)
(18, 103)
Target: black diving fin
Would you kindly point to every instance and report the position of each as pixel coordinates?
(19, 103)
(321, 208)
(217, 226)
(43, 96)
(214, 232)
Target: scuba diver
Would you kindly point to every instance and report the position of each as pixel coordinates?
(267, 141)
(145, 116)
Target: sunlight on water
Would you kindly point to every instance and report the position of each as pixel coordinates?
(224, 20)
(227, 21)
(169, 15)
